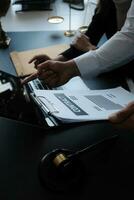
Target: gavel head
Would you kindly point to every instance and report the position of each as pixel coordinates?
(4, 5)
(60, 172)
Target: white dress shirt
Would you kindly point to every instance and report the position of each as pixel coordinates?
(115, 52)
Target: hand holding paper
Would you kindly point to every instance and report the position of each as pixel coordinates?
(125, 117)
(77, 106)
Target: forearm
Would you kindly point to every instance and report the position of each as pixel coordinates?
(60, 58)
(103, 21)
(115, 52)
(109, 56)
(72, 69)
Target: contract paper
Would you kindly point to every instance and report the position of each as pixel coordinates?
(77, 106)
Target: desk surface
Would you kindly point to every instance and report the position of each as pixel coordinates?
(22, 145)
(21, 41)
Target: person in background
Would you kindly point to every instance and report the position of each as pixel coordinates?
(115, 52)
(4, 40)
(103, 22)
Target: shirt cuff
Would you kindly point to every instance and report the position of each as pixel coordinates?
(87, 64)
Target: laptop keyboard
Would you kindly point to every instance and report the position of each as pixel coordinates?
(36, 84)
(74, 84)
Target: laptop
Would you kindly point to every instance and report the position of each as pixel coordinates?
(75, 83)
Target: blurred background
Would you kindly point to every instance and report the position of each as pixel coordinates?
(37, 20)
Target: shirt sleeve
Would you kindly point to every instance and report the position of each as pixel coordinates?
(117, 51)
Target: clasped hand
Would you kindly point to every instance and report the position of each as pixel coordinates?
(82, 43)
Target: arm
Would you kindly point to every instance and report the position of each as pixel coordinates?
(117, 51)
(54, 73)
(103, 21)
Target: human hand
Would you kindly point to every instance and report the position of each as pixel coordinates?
(38, 59)
(82, 42)
(125, 117)
(54, 73)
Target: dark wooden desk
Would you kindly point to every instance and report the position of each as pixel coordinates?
(22, 145)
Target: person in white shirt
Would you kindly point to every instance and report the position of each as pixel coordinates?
(115, 52)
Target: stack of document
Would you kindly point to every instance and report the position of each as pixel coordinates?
(84, 105)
